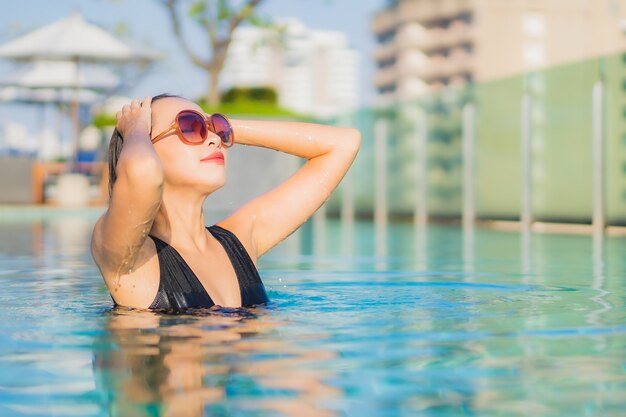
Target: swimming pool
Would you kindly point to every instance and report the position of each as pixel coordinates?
(364, 321)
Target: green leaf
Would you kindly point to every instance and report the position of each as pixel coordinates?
(224, 10)
(260, 21)
(197, 8)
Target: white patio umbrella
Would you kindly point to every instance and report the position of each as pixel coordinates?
(76, 41)
(62, 75)
(48, 95)
(74, 38)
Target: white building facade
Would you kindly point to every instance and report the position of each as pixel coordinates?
(313, 72)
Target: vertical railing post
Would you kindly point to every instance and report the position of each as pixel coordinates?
(421, 159)
(598, 220)
(526, 131)
(469, 155)
(348, 209)
(319, 231)
(380, 171)
(381, 136)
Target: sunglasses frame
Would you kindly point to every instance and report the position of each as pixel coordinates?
(208, 120)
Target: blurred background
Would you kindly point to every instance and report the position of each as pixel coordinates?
(472, 110)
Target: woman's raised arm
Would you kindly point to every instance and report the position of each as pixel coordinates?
(120, 233)
(329, 152)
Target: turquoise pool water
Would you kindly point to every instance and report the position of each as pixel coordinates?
(364, 321)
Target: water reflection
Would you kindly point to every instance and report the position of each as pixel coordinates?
(526, 255)
(186, 365)
(468, 251)
(421, 247)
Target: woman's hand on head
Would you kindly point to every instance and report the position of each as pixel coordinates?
(135, 117)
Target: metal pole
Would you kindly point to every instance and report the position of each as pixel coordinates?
(380, 186)
(347, 207)
(421, 199)
(599, 220)
(469, 145)
(319, 231)
(380, 171)
(526, 198)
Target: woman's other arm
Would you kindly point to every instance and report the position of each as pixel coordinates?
(121, 232)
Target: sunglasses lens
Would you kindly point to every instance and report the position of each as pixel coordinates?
(222, 129)
(192, 126)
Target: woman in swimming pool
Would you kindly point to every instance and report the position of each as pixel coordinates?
(166, 158)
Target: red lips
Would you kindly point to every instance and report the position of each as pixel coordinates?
(216, 157)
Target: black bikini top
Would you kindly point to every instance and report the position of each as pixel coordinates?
(180, 288)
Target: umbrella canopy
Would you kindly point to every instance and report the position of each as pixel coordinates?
(75, 39)
(61, 74)
(49, 95)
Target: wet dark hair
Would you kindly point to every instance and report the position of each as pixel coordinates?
(116, 144)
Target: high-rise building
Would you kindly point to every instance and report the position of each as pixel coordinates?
(313, 72)
(424, 45)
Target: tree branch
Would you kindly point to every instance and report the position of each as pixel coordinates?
(170, 5)
(212, 28)
(242, 15)
(220, 46)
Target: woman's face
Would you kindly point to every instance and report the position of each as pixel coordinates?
(187, 165)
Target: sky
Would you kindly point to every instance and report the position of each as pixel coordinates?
(147, 22)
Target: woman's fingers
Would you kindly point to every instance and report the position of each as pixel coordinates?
(136, 115)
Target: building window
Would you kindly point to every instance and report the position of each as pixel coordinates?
(387, 37)
(391, 88)
(386, 63)
(534, 24)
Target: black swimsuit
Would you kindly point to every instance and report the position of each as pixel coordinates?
(180, 288)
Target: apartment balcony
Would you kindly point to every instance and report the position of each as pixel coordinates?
(459, 63)
(411, 88)
(459, 33)
(414, 36)
(451, 8)
(424, 68)
(435, 68)
(385, 76)
(428, 11)
(384, 51)
(384, 21)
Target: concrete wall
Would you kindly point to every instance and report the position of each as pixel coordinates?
(16, 180)
(250, 171)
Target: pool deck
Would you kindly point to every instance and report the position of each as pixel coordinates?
(33, 211)
(554, 228)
